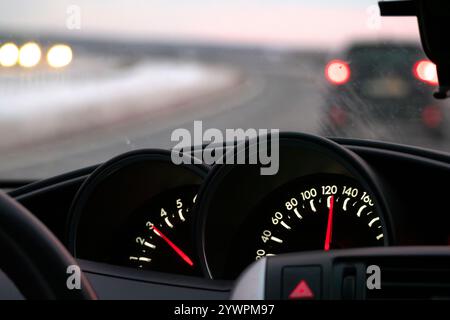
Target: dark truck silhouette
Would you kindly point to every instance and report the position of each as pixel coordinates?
(381, 83)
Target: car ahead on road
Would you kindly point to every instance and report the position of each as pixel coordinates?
(381, 81)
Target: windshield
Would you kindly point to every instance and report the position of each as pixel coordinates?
(83, 81)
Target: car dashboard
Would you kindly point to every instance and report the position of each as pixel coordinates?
(157, 230)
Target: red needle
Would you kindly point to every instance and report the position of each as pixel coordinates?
(329, 225)
(173, 246)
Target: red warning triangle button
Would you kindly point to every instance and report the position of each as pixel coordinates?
(301, 291)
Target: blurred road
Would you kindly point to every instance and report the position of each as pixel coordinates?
(275, 89)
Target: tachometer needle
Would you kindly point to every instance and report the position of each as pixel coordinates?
(329, 225)
(173, 246)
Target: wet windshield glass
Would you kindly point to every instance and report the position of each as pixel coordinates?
(82, 81)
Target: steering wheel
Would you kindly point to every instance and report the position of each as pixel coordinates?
(34, 259)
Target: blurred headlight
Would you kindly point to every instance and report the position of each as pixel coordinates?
(29, 55)
(9, 54)
(59, 55)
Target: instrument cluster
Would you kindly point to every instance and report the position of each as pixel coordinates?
(142, 211)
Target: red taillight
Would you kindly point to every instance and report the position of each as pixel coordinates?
(337, 72)
(432, 116)
(338, 116)
(425, 71)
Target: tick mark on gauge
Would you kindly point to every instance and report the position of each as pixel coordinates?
(373, 221)
(180, 214)
(276, 239)
(380, 236)
(145, 259)
(360, 210)
(285, 225)
(345, 204)
(329, 201)
(169, 224)
(148, 244)
(313, 208)
(298, 214)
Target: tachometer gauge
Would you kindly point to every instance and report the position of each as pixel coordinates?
(136, 210)
(319, 212)
(159, 232)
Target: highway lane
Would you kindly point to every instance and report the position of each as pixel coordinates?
(278, 91)
(273, 94)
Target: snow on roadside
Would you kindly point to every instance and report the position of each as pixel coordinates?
(69, 107)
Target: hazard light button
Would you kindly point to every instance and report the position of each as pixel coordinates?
(301, 291)
(301, 283)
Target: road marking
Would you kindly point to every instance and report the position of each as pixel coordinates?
(285, 225)
(276, 239)
(298, 214)
(373, 221)
(360, 210)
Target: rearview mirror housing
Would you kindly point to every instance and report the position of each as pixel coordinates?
(434, 24)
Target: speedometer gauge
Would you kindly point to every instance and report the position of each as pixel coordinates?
(318, 212)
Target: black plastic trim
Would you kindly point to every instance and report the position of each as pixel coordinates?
(51, 182)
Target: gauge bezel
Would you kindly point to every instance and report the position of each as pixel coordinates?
(355, 165)
(117, 164)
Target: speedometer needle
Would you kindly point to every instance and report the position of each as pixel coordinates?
(329, 225)
(173, 246)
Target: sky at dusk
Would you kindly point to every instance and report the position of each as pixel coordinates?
(319, 23)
